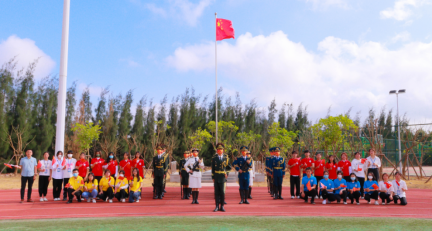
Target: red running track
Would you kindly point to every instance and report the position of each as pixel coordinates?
(172, 205)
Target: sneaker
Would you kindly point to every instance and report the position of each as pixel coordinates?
(94, 200)
(369, 202)
(88, 200)
(292, 197)
(324, 202)
(45, 199)
(316, 197)
(110, 201)
(123, 200)
(298, 197)
(383, 203)
(376, 203)
(41, 199)
(312, 203)
(345, 203)
(358, 203)
(137, 201)
(362, 197)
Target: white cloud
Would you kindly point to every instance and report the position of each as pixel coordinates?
(342, 74)
(94, 90)
(402, 9)
(26, 52)
(324, 4)
(403, 36)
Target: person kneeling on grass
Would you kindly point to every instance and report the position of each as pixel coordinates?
(386, 189)
(121, 187)
(340, 188)
(135, 186)
(399, 189)
(90, 188)
(309, 182)
(76, 184)
(106, 185)
(371, 189)
(354, 189)
(327, 187)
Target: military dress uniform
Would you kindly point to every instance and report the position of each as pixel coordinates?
(160, 165)
(184, 177)
(269, 174)
(195, 177)
(241, 164)
(220, 168)
(278, 166)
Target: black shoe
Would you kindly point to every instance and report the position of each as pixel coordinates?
(241, 196)
(217, 208)
(64, 199)
(275, 197)
(69, 202)
(250, 192)
(312, 203)
(225, 203)
(196, 197)
(193, 197)
(164, 191)
(280, 193)
(245, 192)
(222, 209)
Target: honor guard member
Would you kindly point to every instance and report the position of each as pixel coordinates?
(220, 166)
(160, 163)
(166, 156)
(184, 175)
(251, 175)
(193, 166)
(278, 170)
(242, 165)
(268, 172)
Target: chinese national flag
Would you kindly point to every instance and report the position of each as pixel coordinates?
(343, 186)
(120, 178)
(39, 165)
(308, 186)
(8, 165)
(388, 185)
(224, 29)
(374, 186)
(363, 161)
(64, 162)
(53, 161)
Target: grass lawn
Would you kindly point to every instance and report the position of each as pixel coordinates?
(221, 223)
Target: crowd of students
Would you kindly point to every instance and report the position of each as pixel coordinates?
(344, 180)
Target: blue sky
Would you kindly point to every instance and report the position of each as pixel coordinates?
(322, 53)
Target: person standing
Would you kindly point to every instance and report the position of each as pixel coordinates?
(76, 184)
(319, 170)
(68, 172)
(373, 163)
(251, 175)
(400, 187)
(307, 162)
(82, 165)
(193, 166)
(359, 170)
(309, 182)
(220, 166)
(97, 164)
(242, 165)
(138, 163)
(269, 174)
(294, 168)
(125, 165)
(160, 162)
(345, 166)
(331, 167)
(44, 176)
(57, 175)
(278, 166)
(112, 164)
(184, 175)
(28, 166)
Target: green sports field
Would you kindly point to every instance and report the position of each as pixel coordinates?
(221, 223)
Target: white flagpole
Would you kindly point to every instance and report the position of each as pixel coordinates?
(61, 105)
(216, 79)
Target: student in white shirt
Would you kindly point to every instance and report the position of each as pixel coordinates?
(386, 189)
(45, 172)
(400, 187)
(373, 163)
(359, 170)
(68, 172)
(57, 175)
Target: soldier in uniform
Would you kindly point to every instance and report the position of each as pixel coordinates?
(220, 166)
(278, 172)
(269, 172)
(193, 166)
(184, 175)
(251, 175)
(160, 163)
(166, 156)
(242, 165)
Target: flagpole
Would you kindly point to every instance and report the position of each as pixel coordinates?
(216, 78)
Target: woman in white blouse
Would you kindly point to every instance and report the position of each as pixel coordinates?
(386, 189)
(359, 170)
(373, 163)
(400, 187)
(57, 175)
(44, 176)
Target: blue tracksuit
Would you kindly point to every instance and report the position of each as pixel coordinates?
(368, 184)
(337, 183)
(312, 180)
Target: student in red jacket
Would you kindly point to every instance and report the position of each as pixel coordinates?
(331, 167)
(345, 166)
(125, 165)
(294, 167)
(112, 164)
(319, 170)
(307, 162)
(96, 163)
(82, 165)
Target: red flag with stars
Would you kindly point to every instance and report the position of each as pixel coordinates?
(224, 29)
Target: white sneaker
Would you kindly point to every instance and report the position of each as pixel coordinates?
(324, 202)
(362, 197)
(358, 203)
(137, 201)
(55, 199)
(41, 199)
(110, 201)
(88, 200)
(376, 203)
(94, 200)
(292, 197)
(45, 199)
(298, 197)
(345, 203)
(123, 200)
(316, 197)
(383, 203)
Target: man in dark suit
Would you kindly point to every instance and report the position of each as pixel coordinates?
(220, 166)
(160, 165)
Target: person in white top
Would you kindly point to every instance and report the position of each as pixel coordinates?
(68, 172)
(251, 176)
(45, 172)
(373, 163)
(400, 187)
(193, 166)
(359, 170)
(57, 175)
(386, 189)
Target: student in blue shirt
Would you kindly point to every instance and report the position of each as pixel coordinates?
(370, 192)
(327, 187)
(305, 193)
(339, 191)
(354, 189)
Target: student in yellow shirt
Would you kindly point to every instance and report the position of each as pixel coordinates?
(121, 187)
(106, 185)
(76, 184)
(135, 186)
(90, 188)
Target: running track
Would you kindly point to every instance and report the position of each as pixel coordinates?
(171, 205)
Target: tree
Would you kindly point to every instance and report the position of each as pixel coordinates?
(280, 137)
(226, 131)
(248, 139)
(70, 108)
(16, 142)
(86, 134)
(6, 90)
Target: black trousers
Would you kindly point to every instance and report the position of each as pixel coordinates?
(361, 180)
(342, 196)
(122, 194)
(65, 190)
(403, 200)
(373, 195)
(109, 193)
(24, 180)
(375, 172)
(319, 178)
(98, 178)
(43, 185)
(295, 182)
(71, 194)
(328, 196)
(355, 195)
(219, 190)
(312, 193)
(57, 187)
(385, 197)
